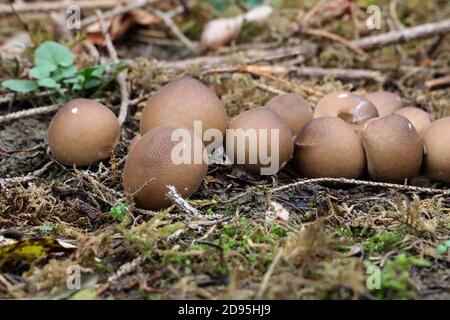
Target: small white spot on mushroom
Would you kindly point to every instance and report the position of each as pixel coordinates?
(186, 188)
(342, 95)
(74, 110)
(410, 126)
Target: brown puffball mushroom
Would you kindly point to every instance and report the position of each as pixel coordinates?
(437, 150)
(418, 117)
(133, 142)
(393, 147)
(182, 102)
(83, 132)
(328, 147)
(348, 106)
(293, 109)
(259, 124)
(150, 168)
(385, 102)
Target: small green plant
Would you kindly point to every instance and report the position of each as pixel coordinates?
(382, 242)
(45, 228)
(395, 279)
(221, 6)
(279, 231)
(118, 211)
(443, 248)
(2, 208)
(54, 70)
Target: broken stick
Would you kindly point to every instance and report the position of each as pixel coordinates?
(403, 35)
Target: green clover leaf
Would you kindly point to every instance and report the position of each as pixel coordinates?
(50, 55)
(21, 86)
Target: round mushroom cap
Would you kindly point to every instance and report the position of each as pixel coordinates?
(154, 163)
(83, 132)
(437, 150)
(328, 147)
(293, 109)
(182, 102)
(418, 117)
(348, 106)
(385, 102)
(252, 137)
(393, 147)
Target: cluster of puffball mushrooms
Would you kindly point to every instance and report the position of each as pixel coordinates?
(347, 135)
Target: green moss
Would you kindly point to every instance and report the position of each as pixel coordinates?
(382, 242)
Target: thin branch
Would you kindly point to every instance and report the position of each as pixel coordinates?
(361, 182)
(49, 6)
(118, 11)
(403, 35)
(167, 19)
(316, 8)
(347, 74)
(269, 89)
(337, 38)
(28, 113)
(10, 97)
(24, 25)
(437, 83)
(268, 274)
(265, 72)
(181, 203)
(122, 76)
(48, 109)
(28, 177)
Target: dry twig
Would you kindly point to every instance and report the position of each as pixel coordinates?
(181, 203)
(360, 182)
(122, 76)
(49, 6)
(28, 113)
(338, 73)
(403, 35)
(167, 19)
(269, 89)
(268, 274)
(436, 83)
(316, 8)
(337, 38)
(133, 5)
(265, 72)
(48, 109)
(28, 177)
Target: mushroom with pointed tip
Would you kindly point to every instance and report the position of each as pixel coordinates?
(293, 109)
(181, 104)
(437, 150)
(386, 102)
(328, 147)
(260, 141)
(348, 106)
(418, 117)
(393, 148)
(151, 167)
(83, 132)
